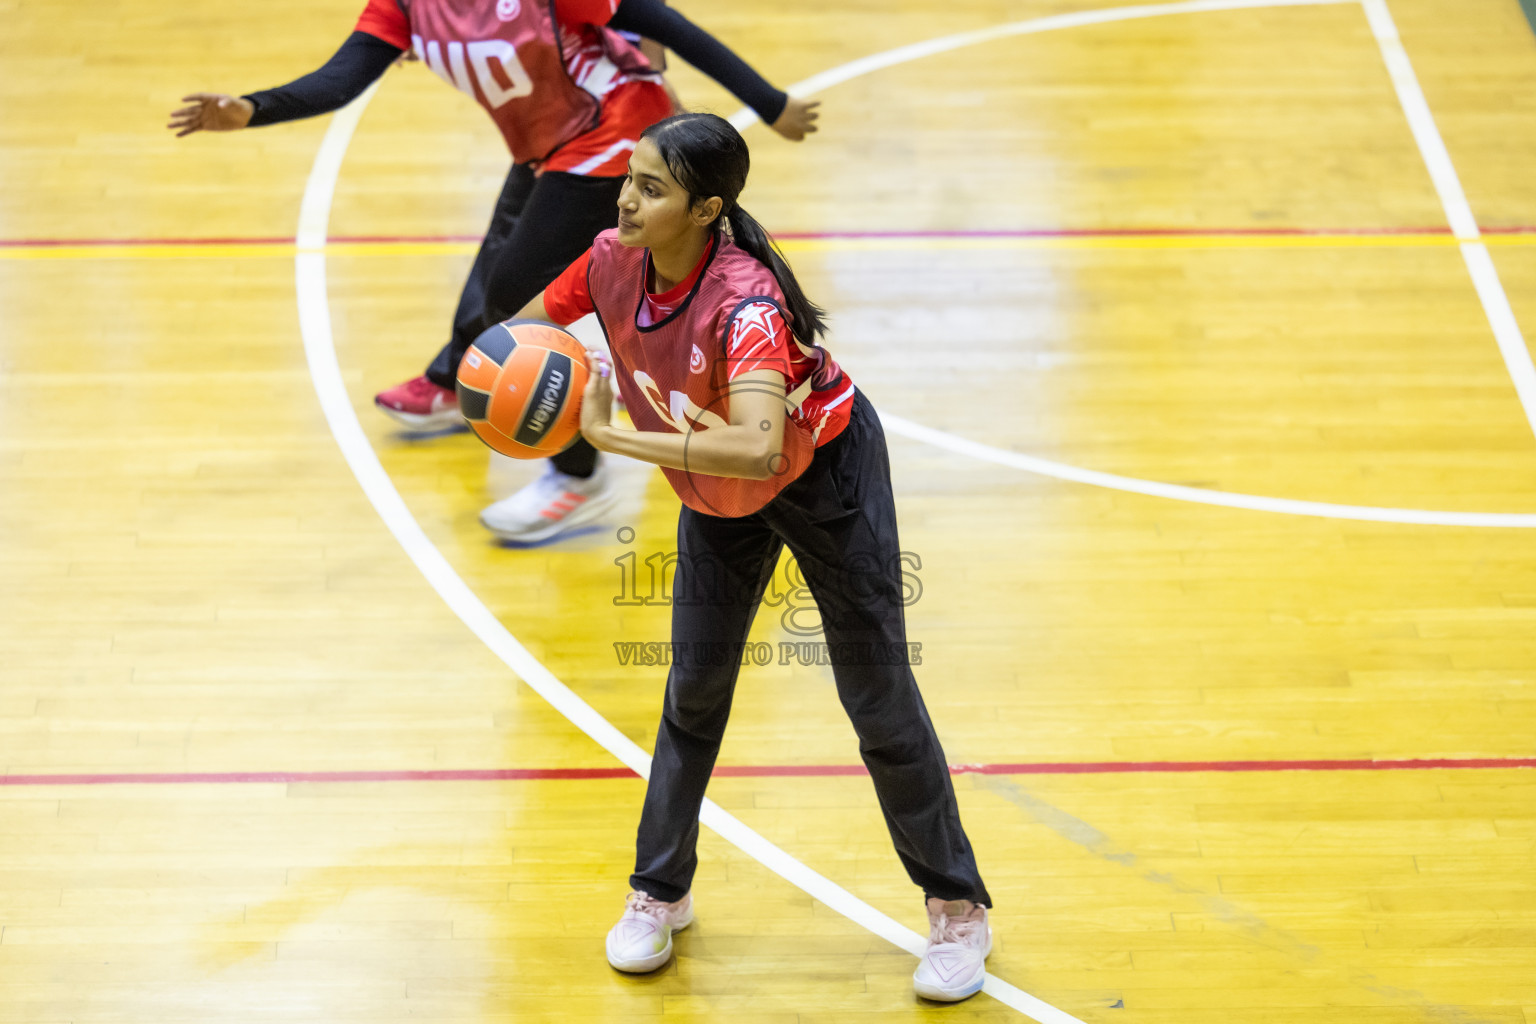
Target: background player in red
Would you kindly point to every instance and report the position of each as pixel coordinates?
(768, 444)
(570, 96)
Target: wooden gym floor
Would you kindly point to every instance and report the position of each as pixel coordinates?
(257, 768)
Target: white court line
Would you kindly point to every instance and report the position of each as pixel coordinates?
(319, 347)
(1457, 210)
(1257, 503)
(1031, 26)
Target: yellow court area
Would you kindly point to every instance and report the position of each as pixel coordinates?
(1198, 330)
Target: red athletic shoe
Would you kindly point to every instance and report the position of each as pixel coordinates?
(420, 405)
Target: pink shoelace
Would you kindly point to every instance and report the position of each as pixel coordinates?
(958, 930)
(644, 903)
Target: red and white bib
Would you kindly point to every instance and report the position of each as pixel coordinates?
(675, 374)
(511, 57)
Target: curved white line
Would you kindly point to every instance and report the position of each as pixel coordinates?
(320, 351)
(1044, 467)
(1031, 26)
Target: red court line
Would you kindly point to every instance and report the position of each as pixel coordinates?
(227, 778)
(758, 771)
(1103, 767)
(111, 243)
(1283, 232)
(1120, 233)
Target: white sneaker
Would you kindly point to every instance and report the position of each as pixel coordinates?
(642, 940)
(553, 504)
(959, 942)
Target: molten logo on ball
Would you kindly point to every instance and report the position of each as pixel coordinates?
(549, 394)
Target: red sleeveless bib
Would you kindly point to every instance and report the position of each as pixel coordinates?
(507, 55)
(673, 374)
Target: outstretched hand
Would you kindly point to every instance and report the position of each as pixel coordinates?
(798, 119)
(211, 112)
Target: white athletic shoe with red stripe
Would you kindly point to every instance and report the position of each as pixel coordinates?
(553, 504)
(959, 942)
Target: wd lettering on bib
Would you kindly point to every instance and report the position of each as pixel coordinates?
(508, 57)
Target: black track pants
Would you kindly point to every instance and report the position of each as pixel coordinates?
(839, 521)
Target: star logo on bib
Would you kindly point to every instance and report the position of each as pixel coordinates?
(506, 10)
(696, 361)
(754, 342)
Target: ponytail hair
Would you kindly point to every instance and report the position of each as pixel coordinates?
(709, 158)
(808, 321)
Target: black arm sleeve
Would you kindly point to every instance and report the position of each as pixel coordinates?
(654, 20)
(354, 67)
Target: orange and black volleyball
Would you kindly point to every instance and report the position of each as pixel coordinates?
(520, 386)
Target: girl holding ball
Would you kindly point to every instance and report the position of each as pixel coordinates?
(768, 444)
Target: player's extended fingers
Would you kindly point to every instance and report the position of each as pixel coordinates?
(186, 111)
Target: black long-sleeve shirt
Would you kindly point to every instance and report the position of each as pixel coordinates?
(363, 58)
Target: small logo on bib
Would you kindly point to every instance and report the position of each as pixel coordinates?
(696, 361)
(506, 10)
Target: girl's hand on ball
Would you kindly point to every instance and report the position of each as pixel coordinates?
(211, 112)
(597, 399)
